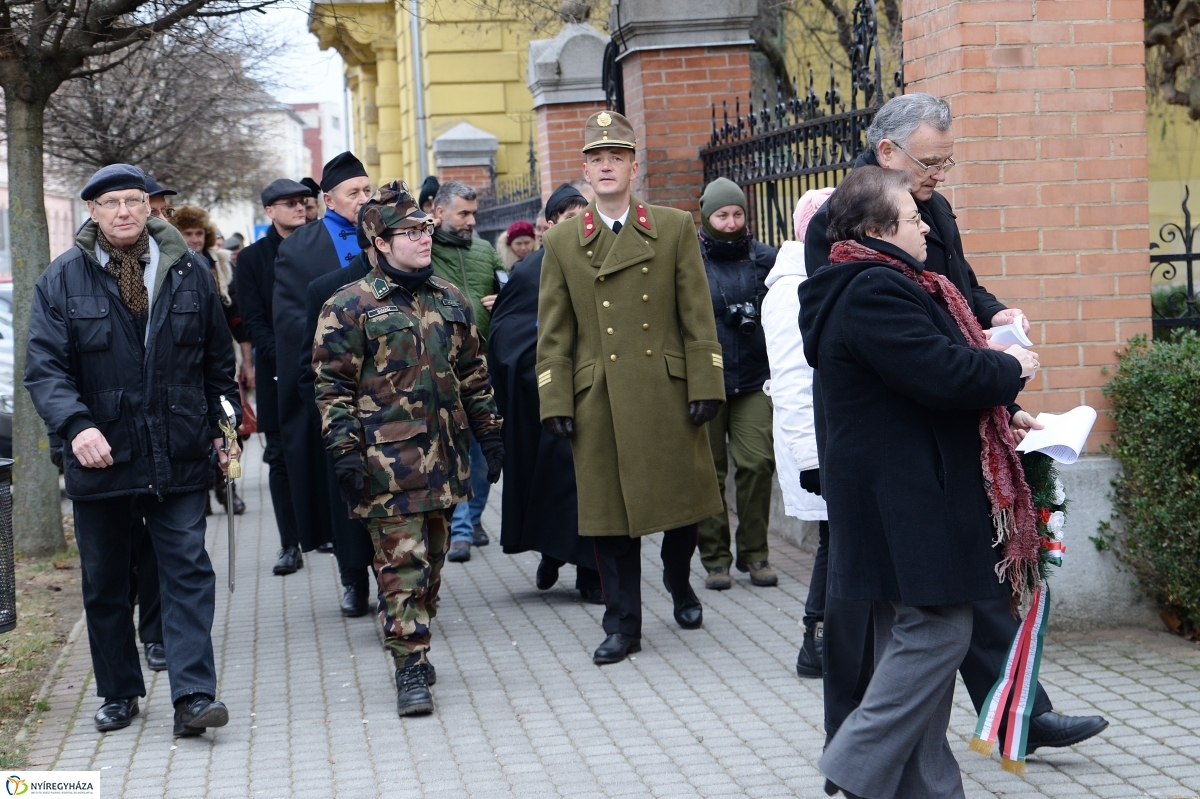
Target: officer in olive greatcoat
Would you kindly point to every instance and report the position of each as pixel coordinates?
(630, 370)
(400, 379)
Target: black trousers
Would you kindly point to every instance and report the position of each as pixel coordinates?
(814, 604)
(281, 492)
(143, 584)
(104, 533)
(619, 561)
(351, 540)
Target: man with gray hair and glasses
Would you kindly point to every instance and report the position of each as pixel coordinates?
(914, 134)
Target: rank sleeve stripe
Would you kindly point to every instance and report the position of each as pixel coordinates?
(544, 378)
(718, 361)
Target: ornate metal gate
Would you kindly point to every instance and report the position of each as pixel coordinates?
(1174, 305)
(777, 152)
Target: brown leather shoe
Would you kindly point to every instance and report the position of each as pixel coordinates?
(718, 579)
(761, 574)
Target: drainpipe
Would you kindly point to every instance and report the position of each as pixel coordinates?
(418, 86)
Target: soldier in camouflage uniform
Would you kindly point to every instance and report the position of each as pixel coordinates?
(400, 380)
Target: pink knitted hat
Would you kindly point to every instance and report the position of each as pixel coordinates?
(807, 206)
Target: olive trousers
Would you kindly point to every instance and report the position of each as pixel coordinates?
(745, 420)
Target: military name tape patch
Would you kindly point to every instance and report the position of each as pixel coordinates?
(544, 378)
(381, 310)
(451, 303)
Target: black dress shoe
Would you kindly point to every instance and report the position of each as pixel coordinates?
(326, 548)
(354, 601)
(195, 713)
(689, 613)
(808, 662)
(1054, 729)
(593, 596)
(156, 656)
(290, 561)
(412, 690)
(116, 714)
(547, 575)
(616, 648)
(479, 538)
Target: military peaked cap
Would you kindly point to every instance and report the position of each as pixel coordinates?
(607, 129)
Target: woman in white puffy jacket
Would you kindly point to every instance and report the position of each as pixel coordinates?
(790, 389)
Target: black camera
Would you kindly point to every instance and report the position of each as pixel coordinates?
(743, 316)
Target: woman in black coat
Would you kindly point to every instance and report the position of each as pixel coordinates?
(908, 397)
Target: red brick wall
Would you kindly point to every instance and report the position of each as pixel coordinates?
(559, 137)
(668, 98)
(1051, 192)
(477, 177)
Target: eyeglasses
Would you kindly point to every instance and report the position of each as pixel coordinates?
(417, 233)
(112, 203)
(928, 169)
(165, 213)
(292, 203)
(916, 220)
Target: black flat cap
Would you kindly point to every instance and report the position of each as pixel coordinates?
(283, 188)
(429, 189)
(312, 186)
(341, 168)
(155, 189)
(564, 192)
(113, 177)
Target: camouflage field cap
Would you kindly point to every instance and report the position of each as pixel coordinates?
(392, 206)
(607, 129)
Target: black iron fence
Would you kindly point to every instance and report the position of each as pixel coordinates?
(509, 200)
(1173, 300)
(776, 152)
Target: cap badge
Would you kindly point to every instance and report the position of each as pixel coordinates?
(603, 119)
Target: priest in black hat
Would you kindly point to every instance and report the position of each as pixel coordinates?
(319, 247)
(539, 511)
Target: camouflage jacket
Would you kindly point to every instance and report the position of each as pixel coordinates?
(399, 379)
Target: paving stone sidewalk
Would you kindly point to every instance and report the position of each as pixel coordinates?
(522, 712)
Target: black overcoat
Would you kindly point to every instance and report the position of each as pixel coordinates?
(303, 257)
(540, 511)
(255, 278)
(737, 273)
(901, 392)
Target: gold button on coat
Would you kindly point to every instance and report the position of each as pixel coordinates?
(589, 253)
(645, 298)
(645, 327)
(645, 270)
(602, 278)
(606, 303)
(610, 331)
(648, 352)
(612, 357)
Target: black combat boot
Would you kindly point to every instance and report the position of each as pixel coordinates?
(413, 697)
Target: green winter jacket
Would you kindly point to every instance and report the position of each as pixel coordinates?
(472, 268)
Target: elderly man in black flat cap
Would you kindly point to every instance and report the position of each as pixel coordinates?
(283, 202)
(128, 364)
(319, 247)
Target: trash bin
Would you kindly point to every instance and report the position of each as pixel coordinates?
(8, 580)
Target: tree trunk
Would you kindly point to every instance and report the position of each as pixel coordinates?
(37, 513)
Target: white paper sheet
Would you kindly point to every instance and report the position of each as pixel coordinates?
(1012, 333)
(1064, 435)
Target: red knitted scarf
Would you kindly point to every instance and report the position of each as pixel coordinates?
(1013, 514)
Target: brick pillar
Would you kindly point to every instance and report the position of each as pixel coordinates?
(1051, 192)
(564, 78)
(468, 154)
(678, 60)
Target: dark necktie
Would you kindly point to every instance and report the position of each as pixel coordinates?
(616, 227)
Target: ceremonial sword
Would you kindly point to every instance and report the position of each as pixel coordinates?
(228, 426)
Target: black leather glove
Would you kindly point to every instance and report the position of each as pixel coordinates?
(559, 426)
(493, 452)
(810, 481)
(348, 469)
(703, 411)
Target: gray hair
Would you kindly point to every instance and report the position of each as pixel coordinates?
(451, 189)
(901, 116)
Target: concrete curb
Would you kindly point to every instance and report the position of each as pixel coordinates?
(51, 677)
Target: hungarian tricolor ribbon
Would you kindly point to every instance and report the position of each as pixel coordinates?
(1009, 706)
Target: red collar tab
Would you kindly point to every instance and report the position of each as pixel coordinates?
(643, 218)
(589, 224)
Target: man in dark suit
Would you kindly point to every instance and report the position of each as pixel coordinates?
(283, 202)
(320, 247)
(912, 133)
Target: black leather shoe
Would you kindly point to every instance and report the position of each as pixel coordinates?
(1054, 729)
(354, 602)
(196, 713)
(479, 538)
(689, 613)
(616, 648)
(460, 552)
(808, 662)
(290, 561)
(116, 714)
(156, 656)
(239, 507)
(326, 548)
(547, 575)
(593, 597)
(412, 691)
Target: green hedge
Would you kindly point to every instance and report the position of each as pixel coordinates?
(1156, 501)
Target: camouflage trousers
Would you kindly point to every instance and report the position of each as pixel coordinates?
(409, 553)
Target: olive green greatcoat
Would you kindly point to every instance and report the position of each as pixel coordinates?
(626, 339)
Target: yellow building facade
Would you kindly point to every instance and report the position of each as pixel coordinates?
(417, 68)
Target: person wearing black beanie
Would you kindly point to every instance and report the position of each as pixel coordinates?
(429, 189)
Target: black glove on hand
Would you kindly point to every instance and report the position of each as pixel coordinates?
(348, 469)
(810, 481)
(493, 452)
(703, 411)
(559, 426)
